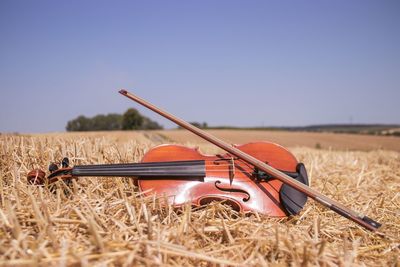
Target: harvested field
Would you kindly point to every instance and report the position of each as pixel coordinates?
(295, 139)
(285, 138)
(106, 221)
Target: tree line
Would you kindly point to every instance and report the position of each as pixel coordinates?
(130, 120)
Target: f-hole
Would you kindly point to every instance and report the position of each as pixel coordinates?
(235, 190)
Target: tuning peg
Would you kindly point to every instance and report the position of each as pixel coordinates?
(53, 167)
(65, 162)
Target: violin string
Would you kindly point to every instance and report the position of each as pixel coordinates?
(162, 168)
(168, 163)
(136, 167)
(214, 171)
(158, 167)
(162, 172)
(155, 167)
(165, 168)
(88, 167)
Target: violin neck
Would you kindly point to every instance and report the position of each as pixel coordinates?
(176, 169)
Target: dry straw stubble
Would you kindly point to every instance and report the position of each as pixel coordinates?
(108, 221)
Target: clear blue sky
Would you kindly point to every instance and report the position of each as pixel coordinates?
(244, 63)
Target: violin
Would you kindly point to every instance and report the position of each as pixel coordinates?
(256, 177)
(184, 175)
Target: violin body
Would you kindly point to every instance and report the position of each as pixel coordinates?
(184, 175)
(227, 178)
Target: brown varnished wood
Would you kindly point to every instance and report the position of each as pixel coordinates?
(264, 196)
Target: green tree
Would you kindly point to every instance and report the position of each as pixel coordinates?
(114, 121)
(132, 120)
(79, 124)
(107, 122)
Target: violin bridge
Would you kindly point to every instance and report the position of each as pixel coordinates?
(231, 167)
(231, 170)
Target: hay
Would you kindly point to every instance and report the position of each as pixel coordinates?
(106, 221)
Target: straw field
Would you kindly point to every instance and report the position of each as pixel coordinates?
(108, 222)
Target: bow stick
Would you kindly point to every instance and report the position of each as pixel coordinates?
(359, 218)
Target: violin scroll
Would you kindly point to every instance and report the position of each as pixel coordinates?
(38, 177)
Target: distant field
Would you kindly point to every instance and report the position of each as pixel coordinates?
(108, 222)
(285, 138)
(295, 139)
